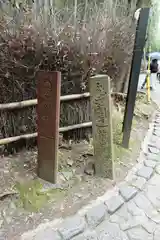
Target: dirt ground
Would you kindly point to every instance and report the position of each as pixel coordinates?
(26, 201)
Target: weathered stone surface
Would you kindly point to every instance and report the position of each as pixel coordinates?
(115, 218)
(145, 172)
(157, 124)
(157, 234)
(155, 180)
(124, 236)
(155, 144)
(134, 209)
(109, 231)
(156, 127)
(153, 150)
(124, 214)
(154, 216)
(143, 203)
(137, 221)
(138, 182)
(102, 125)
(88, 235)
(127, 192)
(153, 194)
(48, 234)
(114, 203)
(90, 169)
(71, 227)
(153, 157)
(121, 217)
(154, 139)
(158, 169)
(42, 234)
(149, 226)
(128, 225)
(96, 215)
(150, 163)
(156, 133)
(139, 233)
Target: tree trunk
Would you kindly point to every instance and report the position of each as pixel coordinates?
(126, 82)
(120, 82)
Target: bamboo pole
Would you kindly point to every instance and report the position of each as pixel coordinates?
(33, 102)
(5, 141)
(75, 13)
(18, 105)
(148, 79)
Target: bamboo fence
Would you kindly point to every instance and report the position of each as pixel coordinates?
(33, 102)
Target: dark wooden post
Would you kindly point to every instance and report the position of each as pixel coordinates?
(48, 111)
(134, 75)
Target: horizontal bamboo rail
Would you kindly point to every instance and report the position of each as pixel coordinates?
(33, 102)
(34, 135)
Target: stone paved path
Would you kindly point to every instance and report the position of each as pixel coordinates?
(131, 211)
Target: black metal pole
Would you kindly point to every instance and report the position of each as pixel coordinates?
(134, 74)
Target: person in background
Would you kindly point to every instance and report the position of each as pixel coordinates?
(153, 70)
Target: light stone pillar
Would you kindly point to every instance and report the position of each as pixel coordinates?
(102, 125)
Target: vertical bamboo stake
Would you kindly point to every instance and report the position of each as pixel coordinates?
(75, 13)
(85, 10)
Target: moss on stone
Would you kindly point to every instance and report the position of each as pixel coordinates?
(33, 198)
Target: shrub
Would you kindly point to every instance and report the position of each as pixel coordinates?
(77, 44)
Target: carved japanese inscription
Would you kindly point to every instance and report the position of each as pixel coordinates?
(102, 125)
(48, 111)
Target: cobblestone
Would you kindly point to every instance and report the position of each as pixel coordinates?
(138, 182)
(123, 215)
(89, 235)
(71, 227)
(139, 233)
(150, 163)
(145, 172)
(109, 231)
(155, 180)
(153, 150)
(158, 169)
(132, 213)
(154, 139)
(114, 204)
(143, 203)
(149, 226)
(155, 144)
(157, 133)
(48, 234)
(96, 215)
(134, 209)
(157, 234)
(127, 192)
(154, 216)
(153, 194)
(153, 157)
